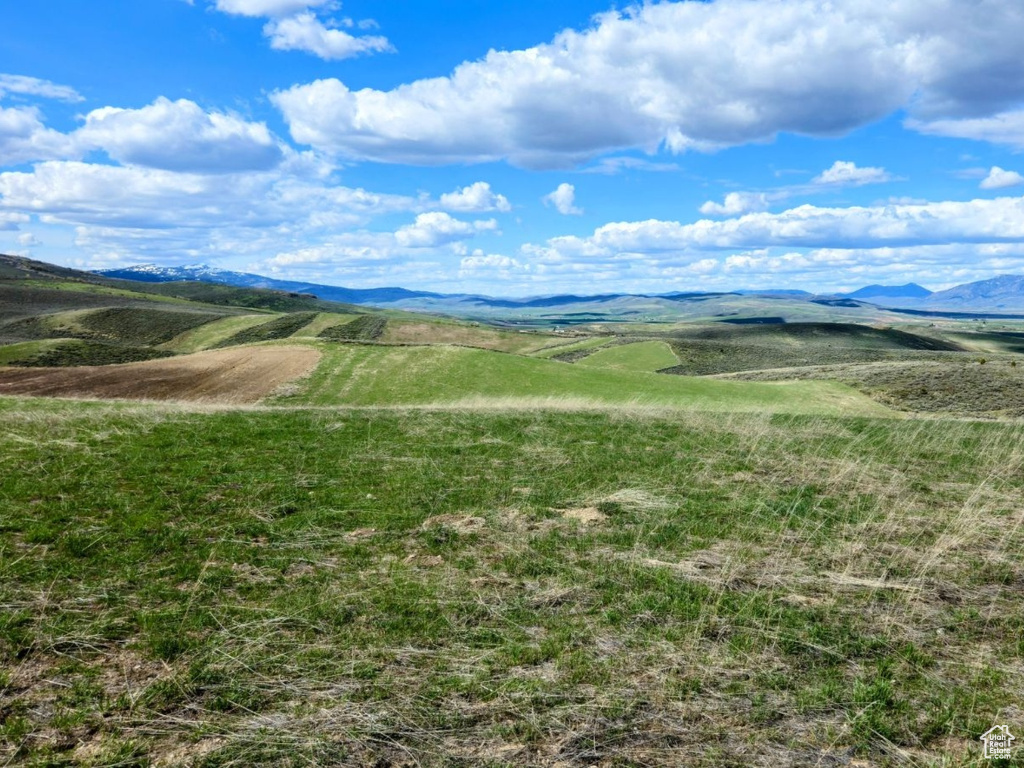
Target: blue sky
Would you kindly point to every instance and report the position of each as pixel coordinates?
(519, 148)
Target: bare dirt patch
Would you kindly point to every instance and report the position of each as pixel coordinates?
(585, 515)
(424, 561)
(244, 375)
(460, 523)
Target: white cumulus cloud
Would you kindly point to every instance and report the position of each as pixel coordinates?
(24, 138)
(305, 32)
(180, 136)
(169, 135)
(683, 75)
(295, 26)
(564, 200)
(844, 173)
(476, 198)
(1006, 128)
(158, 211)
(736, 203)
(269, 7)
(11, 222)
(999, 179)
(492, 265)
(438, 228)
(33, 86)
(936, 223)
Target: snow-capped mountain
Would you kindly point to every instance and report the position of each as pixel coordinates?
(151, 273)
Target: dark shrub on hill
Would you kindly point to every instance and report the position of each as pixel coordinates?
(143, 326)
(365, 328)
(76, 353)
(133, 326)
(278, 328)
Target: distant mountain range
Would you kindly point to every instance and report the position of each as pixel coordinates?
(999, 294)
(1003, 292)
(150, 273)
(911, 291)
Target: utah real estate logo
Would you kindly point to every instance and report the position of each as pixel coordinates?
(998, 742)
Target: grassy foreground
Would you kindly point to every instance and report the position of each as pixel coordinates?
(456, 587)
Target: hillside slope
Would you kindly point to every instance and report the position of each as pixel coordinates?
(704, 350)
(445, 375)
(21, 273)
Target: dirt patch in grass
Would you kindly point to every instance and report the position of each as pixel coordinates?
(585, 515)
(574, 355)
(228, 376)
(460, 523)
(52, 687)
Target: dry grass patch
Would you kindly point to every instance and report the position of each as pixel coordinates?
(965, 386)
(585, 515)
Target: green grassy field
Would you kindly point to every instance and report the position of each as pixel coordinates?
(647, 356)
(274, 587)
(247, 328)
(447, 331)
(212, 334)
(569, 346)
(321, 322)
(104, 336)
(363, 328)
(76, 289)
(280, 327)
(426, 375)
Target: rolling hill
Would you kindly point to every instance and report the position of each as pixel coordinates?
(150, 273)
(55, 316)
(59, 318)
(445, 375)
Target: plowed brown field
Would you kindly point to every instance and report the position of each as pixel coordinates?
(241, 375)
